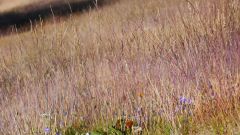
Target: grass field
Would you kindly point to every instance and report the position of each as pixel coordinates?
(156, 66)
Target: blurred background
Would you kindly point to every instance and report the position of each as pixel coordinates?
(18, 13)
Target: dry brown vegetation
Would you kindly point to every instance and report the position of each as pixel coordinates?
(134, 54)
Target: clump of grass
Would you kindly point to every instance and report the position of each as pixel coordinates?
(153, 55)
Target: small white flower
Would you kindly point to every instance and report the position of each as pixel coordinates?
(46, 115)
(137, 129)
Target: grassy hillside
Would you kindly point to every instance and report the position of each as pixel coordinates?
(170, 67)
(6, 5)
(23, 5)
(25, 13)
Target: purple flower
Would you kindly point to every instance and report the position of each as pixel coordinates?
(184, 106)
(47, 130)
(139, 111)
(185, 101)
(58, 133)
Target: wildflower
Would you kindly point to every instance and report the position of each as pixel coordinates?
(141, 95)
(184, 106)
(129, 124)
(137, 129)
(87, 133)
(139, 111)
(47, 130)
(46, 115)
(138, 116)
(58, 133)
(185, 101)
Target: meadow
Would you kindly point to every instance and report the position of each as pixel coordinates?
(157, 67)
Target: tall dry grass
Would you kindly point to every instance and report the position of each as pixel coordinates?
(130, 57)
